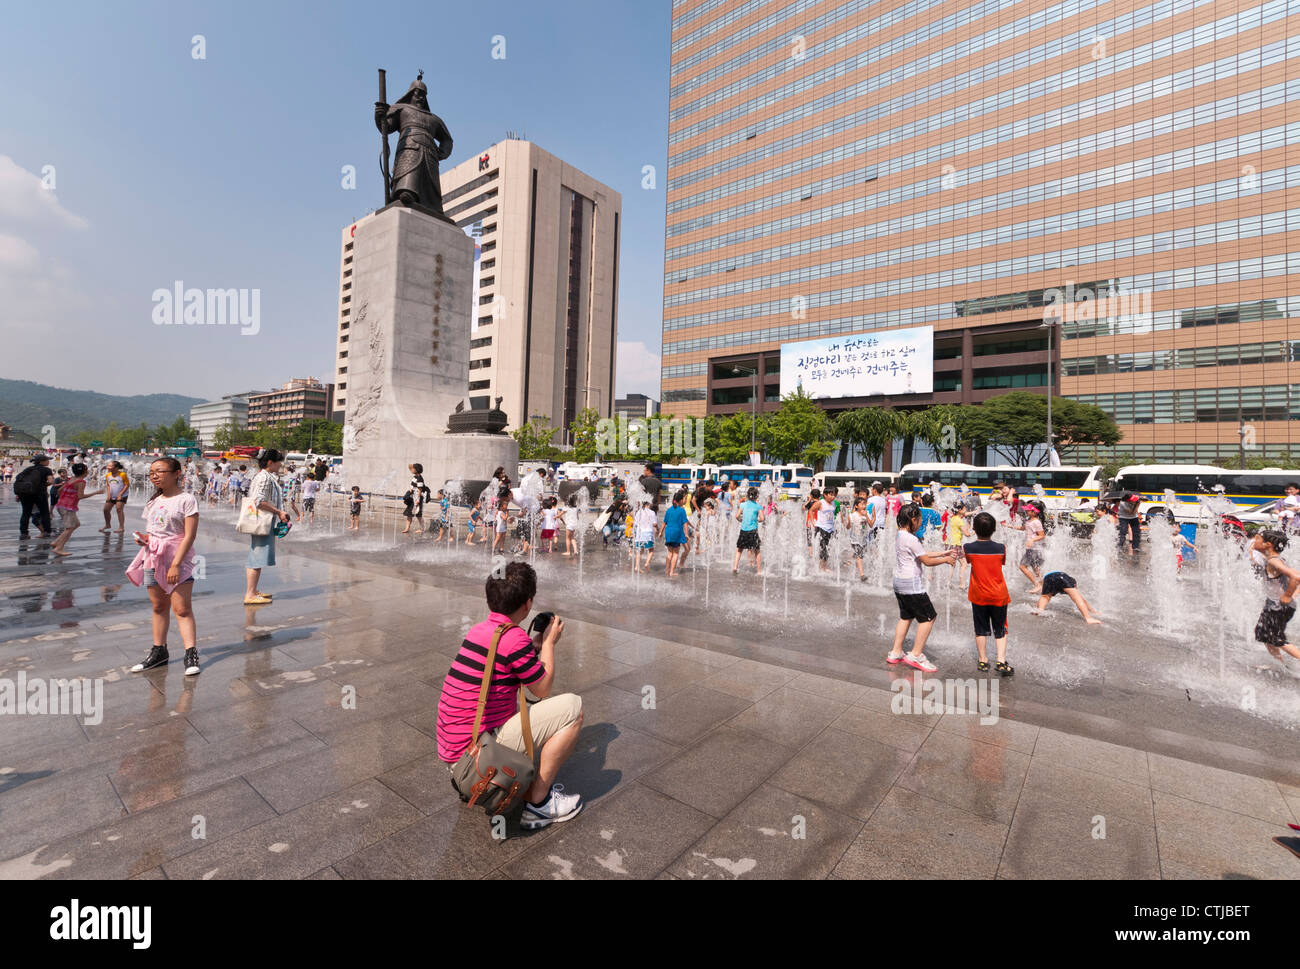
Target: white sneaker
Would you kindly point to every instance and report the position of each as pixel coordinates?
(558, 807)
(920, 663)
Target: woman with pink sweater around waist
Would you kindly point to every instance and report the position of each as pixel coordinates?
(165, 562)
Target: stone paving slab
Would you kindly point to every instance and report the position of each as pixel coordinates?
(307, 746)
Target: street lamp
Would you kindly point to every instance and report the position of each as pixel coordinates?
(1050, 325)
(753, 419)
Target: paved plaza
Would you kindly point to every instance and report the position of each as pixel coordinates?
(766, 754)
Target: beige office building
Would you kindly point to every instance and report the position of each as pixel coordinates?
(544, 314)
(545, 322)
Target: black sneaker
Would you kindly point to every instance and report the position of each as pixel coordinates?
(192, 662)
(157, 657)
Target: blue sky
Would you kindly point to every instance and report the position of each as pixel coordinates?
(226, 171)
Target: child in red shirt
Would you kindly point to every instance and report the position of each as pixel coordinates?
(989, 596)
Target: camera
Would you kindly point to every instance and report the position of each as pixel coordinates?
(540, 623)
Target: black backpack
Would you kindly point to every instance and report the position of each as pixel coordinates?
(28, 482)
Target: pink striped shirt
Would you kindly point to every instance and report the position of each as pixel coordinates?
(517, 663)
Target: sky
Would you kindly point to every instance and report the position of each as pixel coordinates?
(128, 163)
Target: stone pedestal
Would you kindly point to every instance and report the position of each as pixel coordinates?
(408, 355)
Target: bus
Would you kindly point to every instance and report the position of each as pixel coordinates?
(1177, 488)
(793, 479)
(675, 476)
(845, 480)
(1062, 486)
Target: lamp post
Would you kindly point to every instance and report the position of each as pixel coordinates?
(753, 419)
(1050, 325)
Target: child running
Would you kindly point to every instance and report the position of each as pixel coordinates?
(502, 524)
(309, 489)
(954, 537)
(909, 589)
(750, 516)
(354, 509)
(1280, 584)
(442, 529)
(1031, 562)
(165, 563)
(550, 519)
(858, 533)
(70, 496)
(677, 534)
(988, 594)
(471, 526)
(1054, 583)
(646, 522)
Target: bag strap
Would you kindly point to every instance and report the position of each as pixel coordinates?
(489, 668)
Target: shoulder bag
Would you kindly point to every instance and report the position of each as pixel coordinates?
(489, 774)
(252, 520)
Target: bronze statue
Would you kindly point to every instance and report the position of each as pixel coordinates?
(422, 141)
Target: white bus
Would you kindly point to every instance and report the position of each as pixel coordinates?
(843, 480)
(690, 476)
(1178, 488)
(1062, 486)
(793, 479)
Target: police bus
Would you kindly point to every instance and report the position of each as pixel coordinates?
(1062, 487)
(1178, 488)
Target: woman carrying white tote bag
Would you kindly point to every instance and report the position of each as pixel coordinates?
(258, 513)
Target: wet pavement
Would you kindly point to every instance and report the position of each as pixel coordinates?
(771, 749)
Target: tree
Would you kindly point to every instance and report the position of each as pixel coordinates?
(800, 432)
(534, 437)
(729, 442)
(582, 431)
(943, 430)
(230, 434)
(870, 429)
(1014, 425)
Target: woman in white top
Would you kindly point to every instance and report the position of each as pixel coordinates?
(266, 494)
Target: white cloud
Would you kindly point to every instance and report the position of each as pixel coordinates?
(25, 199)
(638, 370)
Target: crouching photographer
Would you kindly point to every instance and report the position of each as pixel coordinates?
(503, 755)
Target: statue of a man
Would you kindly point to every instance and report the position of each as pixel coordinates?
(423, 141)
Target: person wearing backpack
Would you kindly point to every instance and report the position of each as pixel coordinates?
(30, 487)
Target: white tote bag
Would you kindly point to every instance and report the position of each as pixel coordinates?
(252, 521)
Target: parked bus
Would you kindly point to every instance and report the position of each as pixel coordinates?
(793, 479)
(676, 476)
(1062, 486)
(1178, 488)
(843, 480)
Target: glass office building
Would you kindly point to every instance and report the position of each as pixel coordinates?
(1118, 170)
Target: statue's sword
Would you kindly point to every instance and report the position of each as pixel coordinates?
(383, 133)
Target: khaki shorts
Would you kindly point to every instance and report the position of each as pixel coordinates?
(69, 518)
(547, 718)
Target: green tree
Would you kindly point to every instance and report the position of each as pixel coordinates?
(582, 432)
(1014, 425)
(942, 430)
(870, 430)
(800, 432)
(534, 437)
(729, 441)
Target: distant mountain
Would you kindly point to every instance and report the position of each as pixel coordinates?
(27, 406)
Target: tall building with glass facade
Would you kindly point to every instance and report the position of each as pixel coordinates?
(1118, 170)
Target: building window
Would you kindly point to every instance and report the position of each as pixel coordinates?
(484, 320)
(483, 341)
(488, 281)
(480, 364)
(487, 263)
(480, 384)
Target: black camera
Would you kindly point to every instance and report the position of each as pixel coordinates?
(540, 622)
